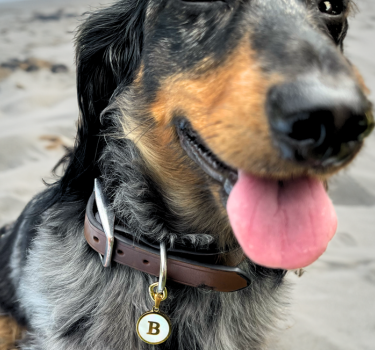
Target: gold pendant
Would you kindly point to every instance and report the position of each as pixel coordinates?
(154, 327)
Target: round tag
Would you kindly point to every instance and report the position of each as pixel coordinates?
(154, 327)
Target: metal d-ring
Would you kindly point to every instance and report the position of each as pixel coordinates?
(107, 218)
(163, 268)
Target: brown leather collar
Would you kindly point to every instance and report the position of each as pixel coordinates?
(186, 267)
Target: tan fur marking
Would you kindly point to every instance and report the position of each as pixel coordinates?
(226, 107)
(10, 332)
(360, 81)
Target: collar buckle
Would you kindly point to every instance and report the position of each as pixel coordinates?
(107, 217)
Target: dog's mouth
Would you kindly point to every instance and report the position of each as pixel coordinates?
(196, 149)
(279, 224)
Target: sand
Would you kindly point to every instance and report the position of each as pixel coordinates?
(331, 306)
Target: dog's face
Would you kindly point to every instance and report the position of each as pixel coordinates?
(255, 87)
(257, 83)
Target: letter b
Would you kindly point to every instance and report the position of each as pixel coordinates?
(154, 328)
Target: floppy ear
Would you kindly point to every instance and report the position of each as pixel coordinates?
(108, 53)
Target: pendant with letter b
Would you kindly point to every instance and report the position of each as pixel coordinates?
(154, 327)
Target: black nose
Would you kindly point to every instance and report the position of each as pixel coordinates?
(318, 124)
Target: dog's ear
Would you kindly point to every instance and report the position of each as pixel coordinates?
(108, 53)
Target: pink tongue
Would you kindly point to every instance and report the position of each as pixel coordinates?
(287, 226)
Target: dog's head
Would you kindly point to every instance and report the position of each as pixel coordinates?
(251, 99)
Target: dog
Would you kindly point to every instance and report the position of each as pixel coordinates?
(212, 126)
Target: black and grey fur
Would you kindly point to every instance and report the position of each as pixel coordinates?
(69, 301)
(50, 280)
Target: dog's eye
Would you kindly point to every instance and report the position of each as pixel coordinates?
(333, 7)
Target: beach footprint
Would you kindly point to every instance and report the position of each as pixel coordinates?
(370, 274)
(345, 239)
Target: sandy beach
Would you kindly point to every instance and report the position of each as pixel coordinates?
(332, 306)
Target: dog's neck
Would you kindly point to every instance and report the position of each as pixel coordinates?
(138, 202)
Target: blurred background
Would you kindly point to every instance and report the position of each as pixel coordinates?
(332, 306)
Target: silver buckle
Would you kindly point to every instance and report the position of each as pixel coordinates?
(163, 268)
(107, 217)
